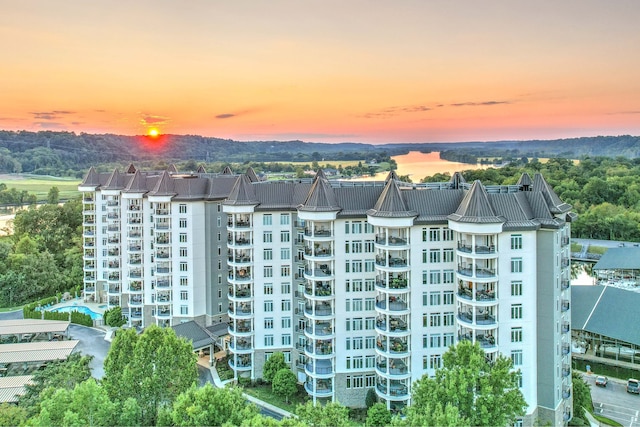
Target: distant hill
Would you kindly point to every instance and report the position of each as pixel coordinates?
(67, 153)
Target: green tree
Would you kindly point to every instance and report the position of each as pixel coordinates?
(272, 366)
(211, 406)
(12, 415)
(62, 374)
(161, 366)
(285, 383)
(114, 318)
(330, 415)
(371, 398)
(87, 404)
(581, 399)
(378, 415)
(484, 393)
(53, 197)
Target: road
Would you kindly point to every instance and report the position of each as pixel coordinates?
(614, 402)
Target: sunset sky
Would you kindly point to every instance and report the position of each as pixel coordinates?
(325, 71)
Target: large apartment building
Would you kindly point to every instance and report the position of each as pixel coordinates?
(360, 284)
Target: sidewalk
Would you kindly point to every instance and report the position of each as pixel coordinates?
(220, 384)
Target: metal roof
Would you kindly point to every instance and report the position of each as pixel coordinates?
(606, 310)
(32, 326)
(36, 351)
(13, 387)
(619, 259)
(195, 333)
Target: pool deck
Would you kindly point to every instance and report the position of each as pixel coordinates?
(93, 306)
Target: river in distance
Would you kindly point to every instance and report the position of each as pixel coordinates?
(419, 165)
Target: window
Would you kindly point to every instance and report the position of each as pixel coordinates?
(184, 310)
(285, 236)
(267, 254)
(286, 305)
(369, 323)
(182, 209)
(183, 223)
(285, 253)
(434, 234)
(434, 298)
(285, 288)
(184, 266)
(447, 276)
(516, 357)
(369, 246)
(369, 304)
(447, 255)
(369, 361)
(184, 295)
(370, 342)
(182, 238)
(356, 266)
(369, 265)
(425, 299)
(357, 343)
(516, 334)
(286, 322)
(286, 339)
(285, 219)
(447, 297)
(357, 324)
(447, 339)
(447, 235)
(268, 323)
(435, 360)
(368, 228)
(184, 281)
(268, 340)
(285, 271)
(516, 241)
(434, 255)
(356, 227)
(434, 277)
(183, 252)
(268, 306)
(267, 237)
(434, 319)
(516, 288)
(268, 288)
(435, 340)
(357, 305)
(448, 319)
(267, 219)
(357, 286)
(268, 271)
(516, 265)
(356, 247)
(516, 311)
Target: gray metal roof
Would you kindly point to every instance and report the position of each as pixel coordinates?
(475, 207)
(13, 387)
(164, 186)
(36, 351)
(115, 182)
(391, 204)
(32, 326)
(195, 333)
(619, 259)
(606, 310)
(218, 330)
(321, 197)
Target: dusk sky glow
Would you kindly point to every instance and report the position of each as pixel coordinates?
(323, 71)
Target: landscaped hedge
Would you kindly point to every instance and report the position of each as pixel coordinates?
(29, 312)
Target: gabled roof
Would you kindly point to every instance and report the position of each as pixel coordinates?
(321, 197)
(227, 171)
(242, 193)
(172, 168)
(606, 310)
(130, 169)
(252, 175)
(556, 205)
(92, 179)
(525, 181)
(138, 183)
(456, 180)
(320, 175)
(475, 207)
(391, 176)
(220, 187)
(164, 186)
(195, 333)
(201, 169)
(115, 181)
(391, 204)
(619, 259)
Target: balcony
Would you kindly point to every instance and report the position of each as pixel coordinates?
(566, 370)
(322, 387)
(238, 223)
(393, 283)
(483, 272)
(163, 312)
(113, 240)
(162, 212)
(318, 252)
(317, 232)
(478, 249)
(242, 327)
(566, 393)
(113, 228)
(113, 265)
(565, 328)
(322, 367)
(396, 325)
(395, 304)
(163, 284)
(135, 301)
(112, 203)
(243, 309)
(163, 270)
(135, 314)
(240, 241)
(321, 329)
(133, 207)
(114, 289)
(135, 286)
(135, 248)
(319, 310)
(321, 271)
(564, 284)
(395, 390)
(564, 306)
(135, 274)
(242, 362)
(392, 262)
(323, 290)
(241, 344)
(564, 241)
(113, 277)
(565, 262)
(395, 367)
(240, 292)
(320, 349)
(480, 318)
(135, 260)
(566, 349)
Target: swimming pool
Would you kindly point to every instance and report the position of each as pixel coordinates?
(79, 308)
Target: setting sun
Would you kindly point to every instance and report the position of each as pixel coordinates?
(154, 132)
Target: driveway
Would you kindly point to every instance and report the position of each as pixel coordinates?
(92, 343)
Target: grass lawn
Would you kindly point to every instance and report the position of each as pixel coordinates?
(597, 250)
(606, 421)
(264, 393)
(40, 185)
(576, 247)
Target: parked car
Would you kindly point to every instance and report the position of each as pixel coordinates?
(601, 381)
(633, 386)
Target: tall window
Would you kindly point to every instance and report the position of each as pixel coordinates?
(516, 311)
(434, 255)
(434, 234)
(182, 209)
(268, 323)
(516, 265)
(516, 288)
(268, 254)
(447, 255)
(267, 219)
(447, 235)
(183, 223)
(268, 306)
(267, 237)
(268, 271)
(268, 340)
(285, 236)
(516, 357)
(285, 253)
(285, 219)
(516, 241)
(516, 334)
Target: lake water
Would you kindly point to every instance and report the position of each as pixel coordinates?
(419, 165)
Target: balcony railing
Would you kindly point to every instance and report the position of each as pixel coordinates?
(564, 306)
